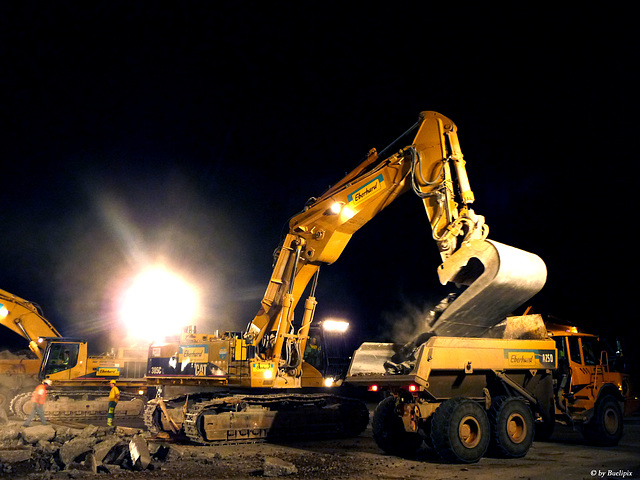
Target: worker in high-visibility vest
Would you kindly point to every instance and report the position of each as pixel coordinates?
(114, 397)
(38, 398)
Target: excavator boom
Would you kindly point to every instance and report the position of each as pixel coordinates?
(25, 319)
(497, 278)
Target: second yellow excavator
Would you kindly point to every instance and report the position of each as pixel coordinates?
(80, 381)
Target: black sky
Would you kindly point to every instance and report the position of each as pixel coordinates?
(193, 130)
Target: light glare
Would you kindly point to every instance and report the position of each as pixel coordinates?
(336, 207)
(335, 325)
(157, 304)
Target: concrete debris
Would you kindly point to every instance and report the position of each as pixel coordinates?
(102, 449)
(159, 452)
(38, 433)
(75, 448)
(46, 449)
(16, 455)
(127, 431)
(139, 452)
(276, 467)
(9, 433)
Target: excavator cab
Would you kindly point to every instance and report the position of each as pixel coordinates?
(62, 359)
(327, 349)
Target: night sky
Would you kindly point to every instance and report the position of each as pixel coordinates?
(189, 132)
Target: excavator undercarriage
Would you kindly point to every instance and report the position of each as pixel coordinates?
(232, 418)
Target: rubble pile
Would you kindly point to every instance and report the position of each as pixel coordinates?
(53, 448)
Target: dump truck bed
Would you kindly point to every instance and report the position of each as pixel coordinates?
(451, 356)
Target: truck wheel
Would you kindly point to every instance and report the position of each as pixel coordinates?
(605, 427)
(460, 431)
(389, 432)
(512, 427)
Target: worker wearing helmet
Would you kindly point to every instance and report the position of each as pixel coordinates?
(38, 398)
(114, 397)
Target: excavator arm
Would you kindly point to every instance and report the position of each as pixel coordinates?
(498, 278)
(25, 319)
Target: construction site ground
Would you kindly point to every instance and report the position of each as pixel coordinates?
(566, 457)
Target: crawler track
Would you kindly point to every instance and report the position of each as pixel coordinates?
(79, 404)
(255, 418)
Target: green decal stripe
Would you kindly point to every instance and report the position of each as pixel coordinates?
(379, 178)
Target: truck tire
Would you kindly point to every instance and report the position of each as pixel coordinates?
(460, 431)
(606, 426)
(512, 427)
(389, 432)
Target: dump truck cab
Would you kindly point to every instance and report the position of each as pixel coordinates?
(590, 391)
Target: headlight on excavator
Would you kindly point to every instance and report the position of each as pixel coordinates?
(3, 311)
(335, 208)
(268, 374)
(335, 325)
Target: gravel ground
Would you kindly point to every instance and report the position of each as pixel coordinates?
(566, 457)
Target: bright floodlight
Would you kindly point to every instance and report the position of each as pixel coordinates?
(335, 208)
(335, 325)
(158, 303)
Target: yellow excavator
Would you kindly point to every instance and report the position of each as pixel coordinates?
(19, 372)
(80, 381)
(258, 383)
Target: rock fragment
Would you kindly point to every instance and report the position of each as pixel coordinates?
(15, 455)
(38, 433)
(276, 467)
(75, 448)
(9, 433)
(102, 449)
(139, 452)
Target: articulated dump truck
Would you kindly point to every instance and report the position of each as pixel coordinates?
(463, 395)
(470, 396)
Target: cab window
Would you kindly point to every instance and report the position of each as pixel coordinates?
(574, 349)
(590, 351)
(313, 352)
(62, 356)
(562, 349)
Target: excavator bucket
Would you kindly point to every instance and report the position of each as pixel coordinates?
(371, 357)
(499, 279)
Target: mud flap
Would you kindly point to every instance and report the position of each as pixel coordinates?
(499, 279)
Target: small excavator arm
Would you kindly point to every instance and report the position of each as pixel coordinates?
(25, 318)
(499, 278)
